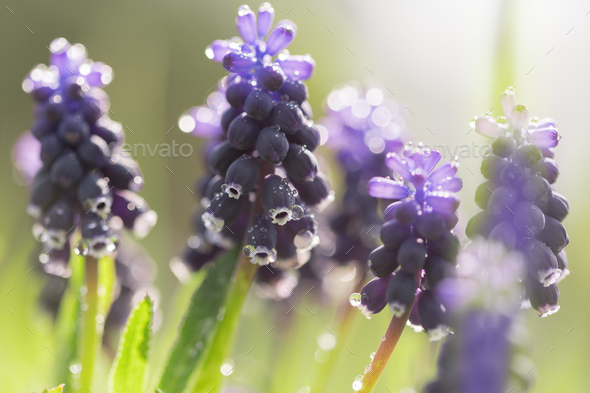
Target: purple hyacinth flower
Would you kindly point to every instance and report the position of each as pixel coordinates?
(297, 67)
(246, 24)
(281, 37)
(266, 16)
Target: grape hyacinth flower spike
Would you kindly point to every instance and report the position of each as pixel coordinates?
(82, 180)
(261, 149)
(521, 207)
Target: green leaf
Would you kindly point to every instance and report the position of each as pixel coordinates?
(130, 370)
(58, 389)
(199, 324)
(209, 378)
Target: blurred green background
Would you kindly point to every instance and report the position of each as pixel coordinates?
(438, 58)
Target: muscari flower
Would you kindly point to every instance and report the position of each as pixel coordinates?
(484, 354)
(81, 181)
(262, 139)
(520, 205)
(418, 239)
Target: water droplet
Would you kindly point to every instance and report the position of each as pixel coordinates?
(285, 181)
(358, 383)
(223, 187)
(372, 355)
(81, 248)
(297, 212)
(227, 368)
(355, 299)
(263, 230)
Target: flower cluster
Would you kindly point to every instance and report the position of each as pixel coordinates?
(484, 354)
(82, 182)
(417, 237)
(362, 125)
(520, 205)
(263, 139)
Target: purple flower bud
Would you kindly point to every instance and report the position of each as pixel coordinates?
(271, 77)
(505, 233)
(261, 241)
(372, 296)
(547, 168)
(239, 62)
(543, 298)
(447, 246)
(51, 148)
(241, 176)
(513, 175)
(43, 194)
(243, 132)
(537, 189)
(380, 187)
(438, 269)
(266, 15)
(195, 258)
(110, 131)
(554, 235)
(527, 156)
(502, 201)
(405, 212)
(394, 233)
(294, 90)
(432, 315)
(492, 167)
(228, 116)
(504, 145)
(237, 92)
(287, 116)
(124, 174)
(67, 170)
(412, 255)
(297, 67)
(93, 195)
(430, 225)
(382, 261)
(557, 207)
(58, 222)
(278, 200)
(217, 50)
(272, 145)
(280, 37)
(223, 211)
(307, 135)
(222, 156)
(93, 152)
(259, 104)
(541, 262)
(134, 212)
(528, 219)
(93, 108)
(401, 292)
(43, 128)
(544, 137)
(300, 163)
(481, 225)
(97, 235)
(246, 24)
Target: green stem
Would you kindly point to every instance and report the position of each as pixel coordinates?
(505, 48)
(90, 333)
(375, 369)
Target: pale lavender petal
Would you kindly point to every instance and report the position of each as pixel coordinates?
(97, 74)
(246, 24)
(25, 156)
(297, 67)
(446, 170)
(443, 202)
(452, 184)
(238, 62)
(487, 126)
(545, 137)
(398, 165)
(266, 15)
(381, 187)
(59, 57)
(217, 50)
(429, 160)
(280, 37)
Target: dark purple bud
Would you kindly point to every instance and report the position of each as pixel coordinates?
(382, 261)
(480, 225)
(562, 261)
(394, 233)
(259, 104)
(93, 108)
(237, 92)
(124, 174)
(492, 166)
(412, 255)
(243, 132)
(414, 320)
(222, 156)
(401, 292)
(300, 163)
(372, 297)
(432, 315)
(246, 24)
(483, 193)
(278, 200)
(528, 219)
(280, 37)
(287, 116)
(543, 298)
(93, 195)
(547, 168)
(430, 225)
(405, 212)
(447, 246)
(239, 62)
(228, 116)
(316, 192)
(554, 235)
(541, 262)
(513, 175)
(51, 148)
(506, 234)
(548, 152)
(42, 128)
(195, 258)
(261, 241)
(73, 90)
(67, 170)
(438, 269)
(213, 187)
(98, 239)
(110, 131)
(43, 193)
(271, 77)
(557, 207)
(503, 201)
(266, 15)
(286, 250)
(58, 223)
(93, 152)
(241, 176)
(527, 155)
(272, 145)
(504, 146)
(134, 212)
(294, 90)
(72, 130)
(537, 189)
(223, 211)
(307, 135)
(54, 109)
(305, 231)
(42, 94)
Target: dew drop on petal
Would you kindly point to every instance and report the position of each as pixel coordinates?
(355, 299)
